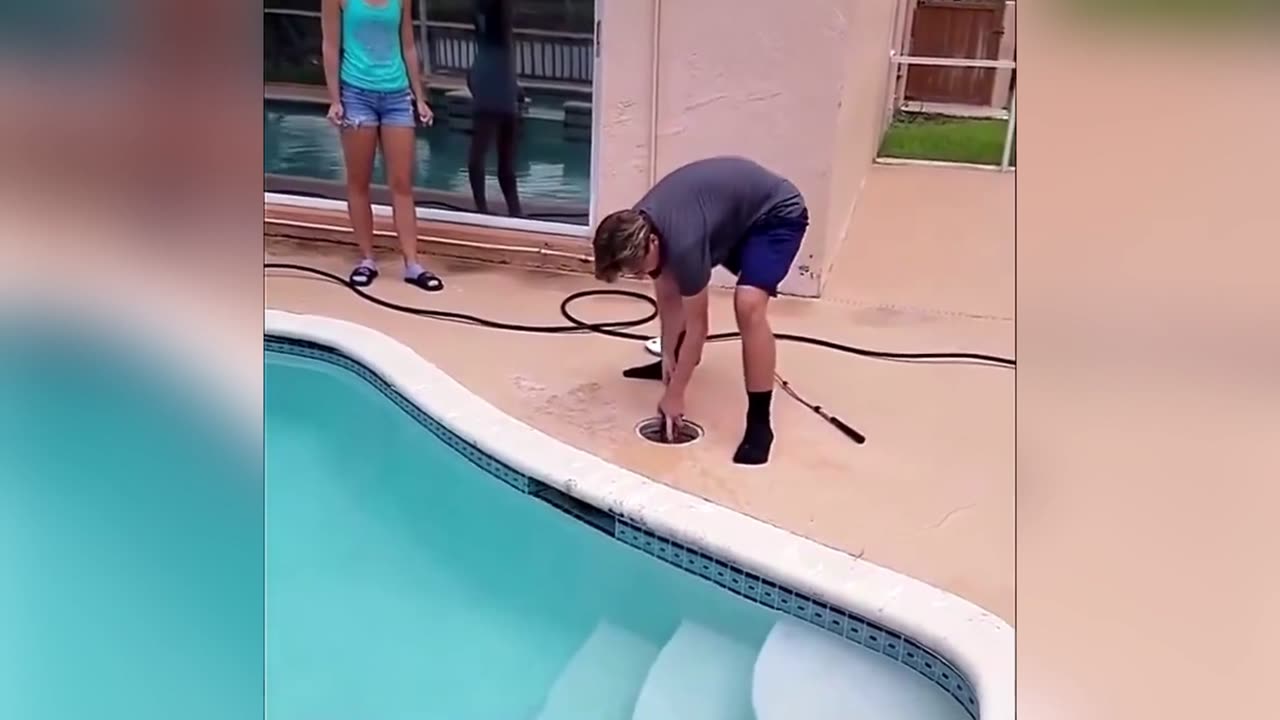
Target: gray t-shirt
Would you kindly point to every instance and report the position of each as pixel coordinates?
(702, 212)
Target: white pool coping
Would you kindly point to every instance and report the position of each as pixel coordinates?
(978, 643)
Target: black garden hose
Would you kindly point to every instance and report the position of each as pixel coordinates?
(621, 329)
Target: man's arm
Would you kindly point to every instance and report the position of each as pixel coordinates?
(671, 316)
(696, 325)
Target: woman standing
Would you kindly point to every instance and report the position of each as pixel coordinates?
(495, 98)
(375, 90)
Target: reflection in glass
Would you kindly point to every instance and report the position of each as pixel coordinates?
(495, 96)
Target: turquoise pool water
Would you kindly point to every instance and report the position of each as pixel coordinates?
(406, 582)
(299, 141)
(131, 555)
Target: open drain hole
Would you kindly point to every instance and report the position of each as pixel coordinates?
(686, 432)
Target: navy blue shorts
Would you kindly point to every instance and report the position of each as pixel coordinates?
(764, 257)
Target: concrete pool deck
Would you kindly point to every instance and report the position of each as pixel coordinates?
(930, 495)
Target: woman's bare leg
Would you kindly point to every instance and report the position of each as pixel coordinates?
(358, 148)
(397, 154)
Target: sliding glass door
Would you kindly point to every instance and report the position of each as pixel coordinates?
(511, 86)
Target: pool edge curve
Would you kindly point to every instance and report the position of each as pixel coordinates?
(979, 644)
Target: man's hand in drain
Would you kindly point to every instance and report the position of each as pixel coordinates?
(671, 410)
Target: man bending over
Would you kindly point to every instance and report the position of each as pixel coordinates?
(725, 211)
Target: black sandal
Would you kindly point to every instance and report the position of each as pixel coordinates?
(427, 281)
(363, 276)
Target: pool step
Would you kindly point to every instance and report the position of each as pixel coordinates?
(804, 672)
(699, 675)
(603, 677)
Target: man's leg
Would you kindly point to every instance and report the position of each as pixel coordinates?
(767, 255)
(759, 358)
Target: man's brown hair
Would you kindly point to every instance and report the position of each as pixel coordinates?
(620, 243)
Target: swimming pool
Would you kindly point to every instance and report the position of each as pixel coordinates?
(550, 171)
(131, 555)
(412, 574)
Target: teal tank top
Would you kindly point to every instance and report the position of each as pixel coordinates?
(371, 57)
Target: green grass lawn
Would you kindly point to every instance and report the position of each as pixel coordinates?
(936, 137)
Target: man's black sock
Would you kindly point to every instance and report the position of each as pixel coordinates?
(757, 440)
(652, 371)
(758, 404)
(756, 443)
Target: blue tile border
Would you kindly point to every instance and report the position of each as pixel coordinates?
(741, 582)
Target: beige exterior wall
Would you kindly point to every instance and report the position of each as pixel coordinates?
(860, 121)
(799, 87)
(622, 102)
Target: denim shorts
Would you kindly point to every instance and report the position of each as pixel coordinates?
(370, 108)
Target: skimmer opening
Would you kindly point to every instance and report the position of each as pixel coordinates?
(687, 432)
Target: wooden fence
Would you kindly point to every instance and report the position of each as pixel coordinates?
(971, 29)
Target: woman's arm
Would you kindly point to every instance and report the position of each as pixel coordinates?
(409, 50)
(331, 30)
